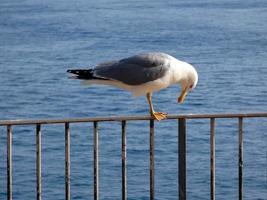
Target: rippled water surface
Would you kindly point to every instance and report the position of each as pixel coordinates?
(225, 40)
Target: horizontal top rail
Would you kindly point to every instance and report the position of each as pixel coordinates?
(126, 118)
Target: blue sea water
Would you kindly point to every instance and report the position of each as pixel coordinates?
(225, 40)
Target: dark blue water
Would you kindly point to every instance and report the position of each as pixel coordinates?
(225, 40)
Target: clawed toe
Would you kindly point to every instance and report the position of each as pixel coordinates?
(159, 115)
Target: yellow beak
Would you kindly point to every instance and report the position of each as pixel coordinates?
(182, 96)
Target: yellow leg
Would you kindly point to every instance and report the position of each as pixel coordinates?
(157, 115)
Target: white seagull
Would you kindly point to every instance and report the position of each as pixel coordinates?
(143, 74)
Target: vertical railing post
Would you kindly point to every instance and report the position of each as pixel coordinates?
(67, 161)
(182, 159)
(9, 162)
(96, 178)
(240, 155)
(123, 160)
(38, 162)
(151, 166)
(212, 158)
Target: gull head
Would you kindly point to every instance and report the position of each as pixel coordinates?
(188, 81)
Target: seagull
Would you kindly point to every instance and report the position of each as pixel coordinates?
(142, 74)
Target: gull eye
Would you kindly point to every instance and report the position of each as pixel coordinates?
(191, 86)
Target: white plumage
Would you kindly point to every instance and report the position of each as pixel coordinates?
(143, 74)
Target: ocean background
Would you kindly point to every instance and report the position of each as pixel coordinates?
(225, 40)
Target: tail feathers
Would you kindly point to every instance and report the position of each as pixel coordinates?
(86, 74)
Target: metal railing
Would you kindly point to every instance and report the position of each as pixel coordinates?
(181, 154)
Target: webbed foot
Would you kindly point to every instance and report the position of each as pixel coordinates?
(159, 115)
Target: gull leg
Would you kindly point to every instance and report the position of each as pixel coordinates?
(157, 115)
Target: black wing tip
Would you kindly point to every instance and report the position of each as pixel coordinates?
(76, 71)
(81, 73)
(85, 74)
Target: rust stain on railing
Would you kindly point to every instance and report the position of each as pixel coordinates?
(182, 119)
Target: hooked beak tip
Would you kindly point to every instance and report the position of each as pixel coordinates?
(180, 101)
(182, 96)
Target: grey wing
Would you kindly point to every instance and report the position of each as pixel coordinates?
(148, 59)
(135, 70)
